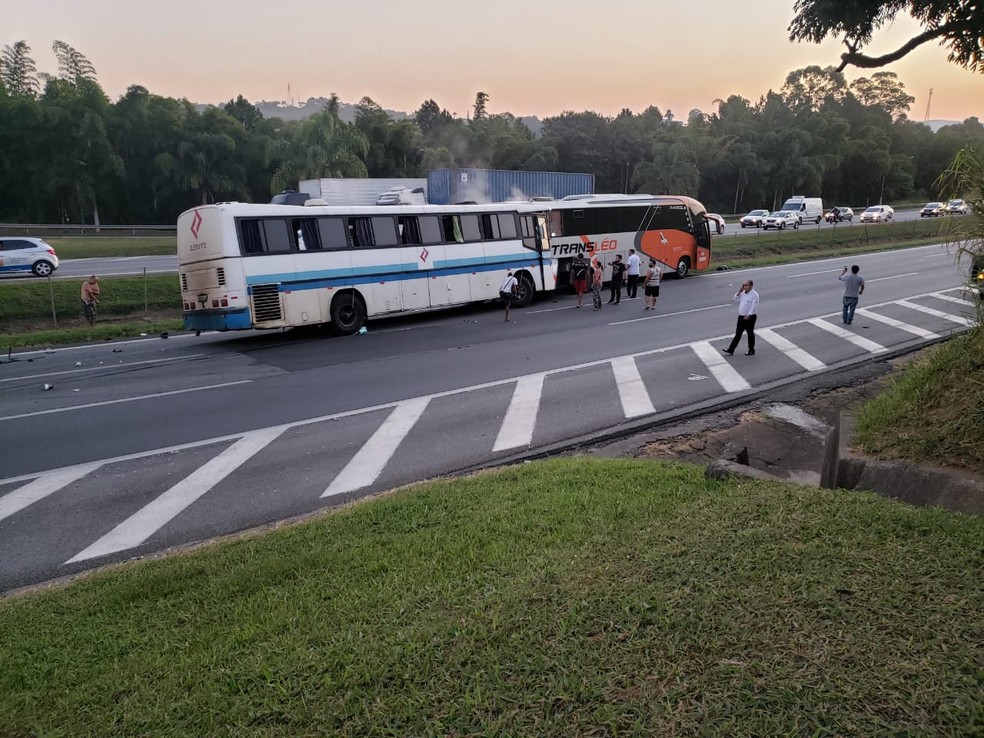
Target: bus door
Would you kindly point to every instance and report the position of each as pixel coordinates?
(702, 235)
(536, 238)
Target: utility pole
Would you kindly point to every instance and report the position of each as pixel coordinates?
(929, 100)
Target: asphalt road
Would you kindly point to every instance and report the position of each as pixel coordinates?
(143, 445)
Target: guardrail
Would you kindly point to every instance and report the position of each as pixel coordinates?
(105, 231)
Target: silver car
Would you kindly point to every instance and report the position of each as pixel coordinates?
(877, 214)
(754, 219)
(957, 207)
(24, 254)
(782, 219)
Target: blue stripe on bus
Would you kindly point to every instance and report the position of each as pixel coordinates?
(338, 277)
(218, 320)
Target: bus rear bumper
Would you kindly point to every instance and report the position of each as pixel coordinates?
(218, 320)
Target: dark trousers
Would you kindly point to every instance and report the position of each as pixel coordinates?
(630, 288)
(616, 288)
(744, 326)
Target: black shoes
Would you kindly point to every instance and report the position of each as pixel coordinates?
(729, 352)
(750, 353)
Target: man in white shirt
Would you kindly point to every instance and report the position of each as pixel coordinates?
(507, 291)
(632, 272)
(748, 300)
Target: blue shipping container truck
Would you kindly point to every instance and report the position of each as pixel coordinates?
(451, 186)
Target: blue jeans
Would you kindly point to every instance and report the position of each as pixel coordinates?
(849, 304)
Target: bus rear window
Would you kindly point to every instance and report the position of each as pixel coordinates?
(264, 236)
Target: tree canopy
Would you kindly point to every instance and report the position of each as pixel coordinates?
(955, 24)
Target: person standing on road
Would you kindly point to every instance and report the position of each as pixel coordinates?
(507, 292)
(90, 298)
(853, 289)
(632, 270)
(748, 300)
(597, 278)
(579, 277)
(618, 272)
(651, 285)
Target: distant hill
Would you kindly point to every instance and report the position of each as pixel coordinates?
(346, 111)
(936, 125)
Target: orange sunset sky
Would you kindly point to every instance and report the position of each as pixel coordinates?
(532, 57)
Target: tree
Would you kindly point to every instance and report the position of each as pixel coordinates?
(18, 71)
(883, 90)
(481, 100)
(248, 115)
(955, 24)
(72, 65)
(431, 117)
(811, 88)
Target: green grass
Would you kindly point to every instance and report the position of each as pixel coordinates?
(809, 242)
(104, 247)
(120, 296)
(934, 411)
(80, 334)
(562, 598)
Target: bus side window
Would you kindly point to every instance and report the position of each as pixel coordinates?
(307, 234)
(267, 236)
(332, 234)
(251, 236)
(409, 230)
(430, 229)
(489, 223)
(360, 230)
(470, 229)
(452, 229)
(507, 225)
(384, 232)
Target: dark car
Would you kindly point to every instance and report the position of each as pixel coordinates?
(839, 215)
(932, 210)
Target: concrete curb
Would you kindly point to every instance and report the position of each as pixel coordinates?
(917, 484)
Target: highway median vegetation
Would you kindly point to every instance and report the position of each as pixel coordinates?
(567, 597)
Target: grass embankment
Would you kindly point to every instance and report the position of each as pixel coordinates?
(105, 247)
(570, 597)
(933, 413)
(128, 306)
(812, 242)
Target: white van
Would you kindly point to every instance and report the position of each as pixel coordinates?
(806, 208)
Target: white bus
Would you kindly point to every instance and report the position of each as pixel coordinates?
(246, 266)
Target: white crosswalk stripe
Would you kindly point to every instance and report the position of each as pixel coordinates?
(517, 427)
(729, 379)
(962, 300)
(807, 361)
(41, 487)
(152, 517)
(913, 329)
(631, 388)
(958, 319)
(372, 458)
(860, 341)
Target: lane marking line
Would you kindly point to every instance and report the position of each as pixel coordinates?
(104, 367)
(632, 389)
(897, 276)
(862, 343)
(790, 349)
(365, 467)
(155, 515)
(41, 487)
(520, 420)
(908, 328)
(726, 375)
(669, 315)
(122, 400)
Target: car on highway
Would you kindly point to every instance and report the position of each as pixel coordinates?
(781, 219)
(25, 254)
(839, 214)
(715, 222)
(957, 207)
(877, 214)
(753, 219)
(932, 210)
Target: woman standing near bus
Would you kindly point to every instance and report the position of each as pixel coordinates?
(597, 277)
(652, 285)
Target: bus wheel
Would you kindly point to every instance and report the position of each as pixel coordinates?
(347, 314)
(524, 294)
(683, 268)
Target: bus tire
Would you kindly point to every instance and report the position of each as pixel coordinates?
(524, 291)
(683, 268)
(348, 313)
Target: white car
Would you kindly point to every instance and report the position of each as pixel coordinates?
(754, 219)
(957, 207)
(25, 254)
(781, 219)
(877, 214)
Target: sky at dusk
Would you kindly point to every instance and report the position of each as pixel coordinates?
(532, 57)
